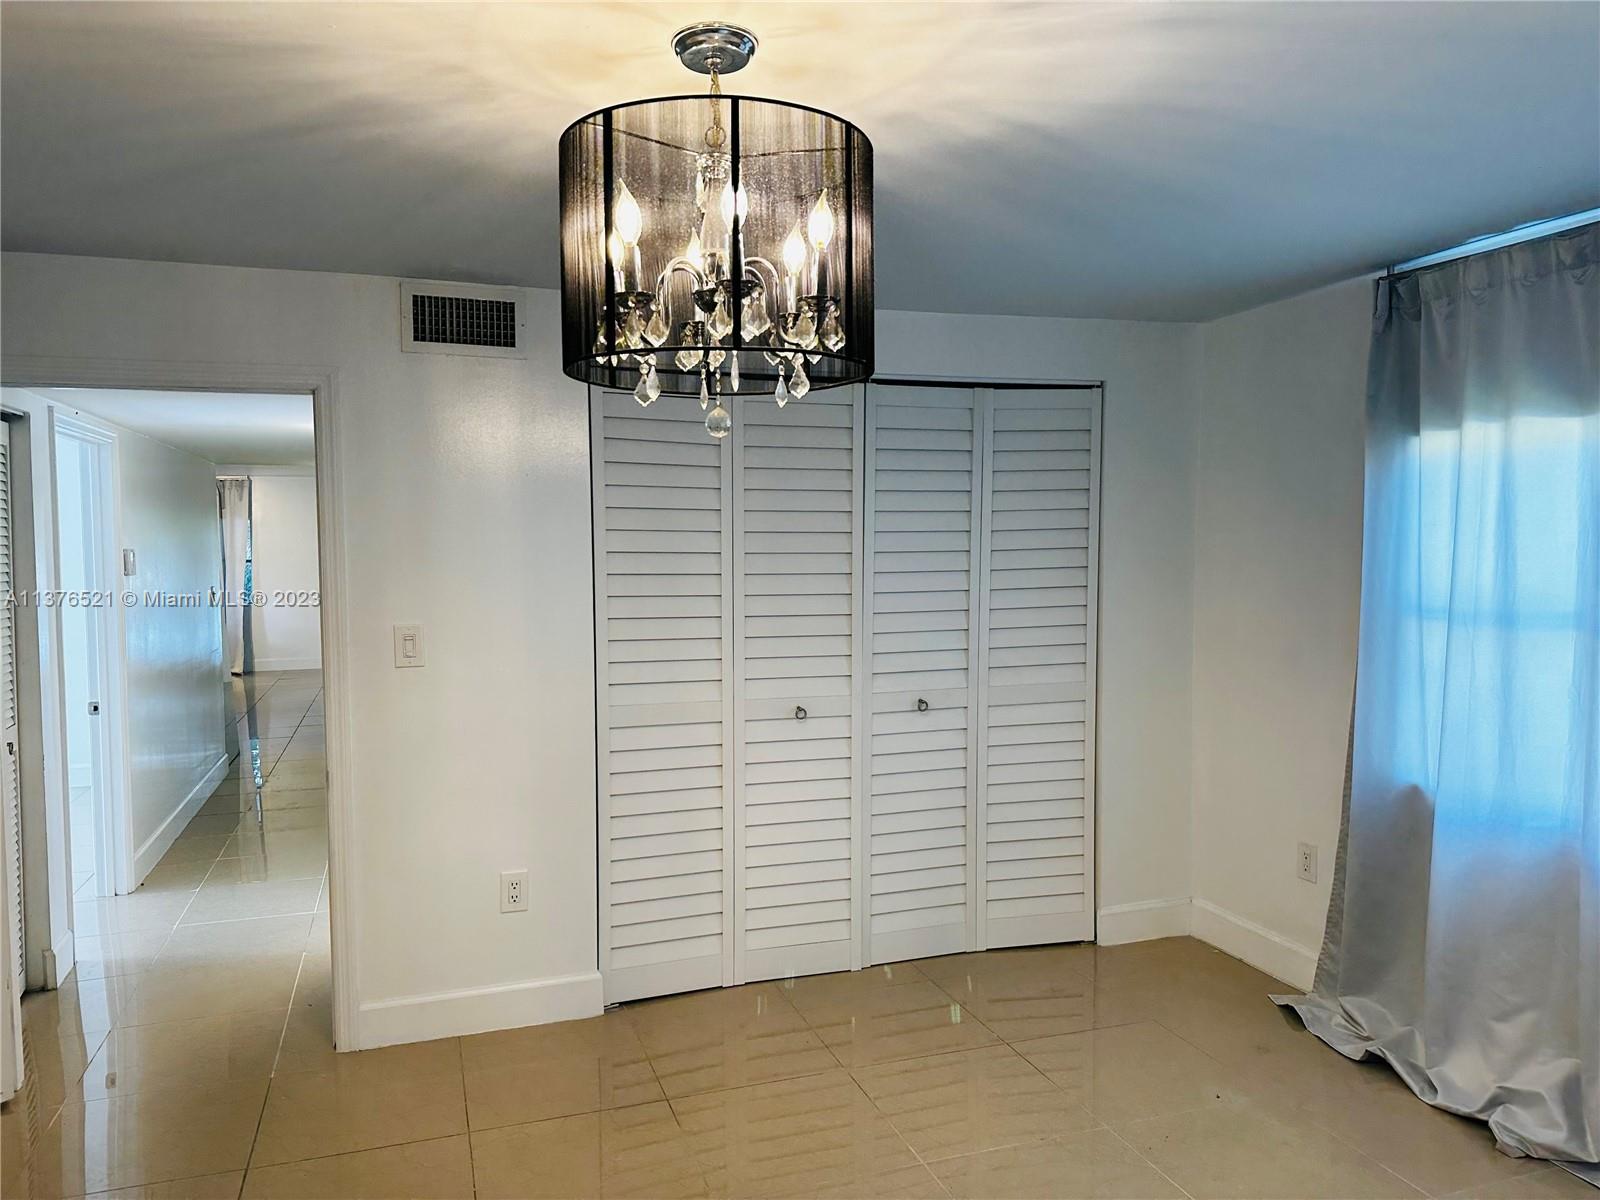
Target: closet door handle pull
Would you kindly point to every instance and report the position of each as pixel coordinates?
(799, 714)
(922, 706)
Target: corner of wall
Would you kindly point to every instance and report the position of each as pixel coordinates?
(1119, 924)
(1279, 391)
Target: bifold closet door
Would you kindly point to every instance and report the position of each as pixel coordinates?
(798, 530)
(1036, 711)
(663, 632)
(10, 789)
(922, 448)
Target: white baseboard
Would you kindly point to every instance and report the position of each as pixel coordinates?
(479, 1010)
(159, 842)
(63, 954)
(1118, 924)
(1255, 944)
(285, 664)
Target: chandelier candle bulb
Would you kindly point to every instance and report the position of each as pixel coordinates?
(819, 228)
(629, 224)
(714, 241)
(794, 261)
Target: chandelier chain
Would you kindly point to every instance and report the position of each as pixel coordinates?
(715, 137)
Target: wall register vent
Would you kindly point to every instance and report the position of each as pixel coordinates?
(450, 318)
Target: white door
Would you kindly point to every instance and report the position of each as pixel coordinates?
(1036, 711)
(797, 522)
(845, 681)
(923, 443)
(663, 631)
(15, 978)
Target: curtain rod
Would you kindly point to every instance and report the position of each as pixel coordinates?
(1494, 241)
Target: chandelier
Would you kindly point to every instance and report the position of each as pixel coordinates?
(716, 246)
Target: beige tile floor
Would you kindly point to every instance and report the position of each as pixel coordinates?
(191, 1057)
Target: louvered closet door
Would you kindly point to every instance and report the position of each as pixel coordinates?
(10, 792)
(663, 622)
(1037, 712)
(922, 582)
(798, 525)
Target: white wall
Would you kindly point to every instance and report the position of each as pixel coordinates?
(283, 507)
(172, 654)
(1277, 575)
(464, 500)
(464, 489)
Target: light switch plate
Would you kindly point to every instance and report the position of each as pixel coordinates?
(408, 646)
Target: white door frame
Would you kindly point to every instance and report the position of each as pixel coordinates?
(113, 784)
(322, 385)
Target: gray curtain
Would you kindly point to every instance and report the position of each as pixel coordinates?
(1463, 939)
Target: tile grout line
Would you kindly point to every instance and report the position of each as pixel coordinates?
(906, 1142)
(1148, 1161)
(294, 991)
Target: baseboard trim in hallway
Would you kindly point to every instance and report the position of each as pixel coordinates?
(277, 665)
(159, 842)
(480, 1010)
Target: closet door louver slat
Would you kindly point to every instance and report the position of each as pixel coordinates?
(1040, 533)
(922, 453)
(662, 537)
(796, 544)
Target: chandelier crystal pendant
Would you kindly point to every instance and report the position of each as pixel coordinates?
(716, 246)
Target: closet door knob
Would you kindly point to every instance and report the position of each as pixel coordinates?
(922, 706)
(799, 714)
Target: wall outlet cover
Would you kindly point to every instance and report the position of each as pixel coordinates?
(1306, 862)
(513, 891)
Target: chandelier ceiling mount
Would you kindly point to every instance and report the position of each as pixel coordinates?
(713, 48)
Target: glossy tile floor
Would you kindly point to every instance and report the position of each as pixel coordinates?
(193, 1059)
(80, 825)
(152, 1062)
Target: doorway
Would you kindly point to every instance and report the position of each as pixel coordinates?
(227, 907)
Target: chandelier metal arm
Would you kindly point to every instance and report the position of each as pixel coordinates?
(680, 263)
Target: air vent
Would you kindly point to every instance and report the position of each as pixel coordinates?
(464, 321)
(452, 318)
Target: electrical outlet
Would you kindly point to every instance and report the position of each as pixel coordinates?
(513, 891)
(1306, 866)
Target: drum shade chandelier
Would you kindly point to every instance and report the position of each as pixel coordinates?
(716, 246)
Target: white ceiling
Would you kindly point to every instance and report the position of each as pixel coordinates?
(226, 428)
(1164, 160)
